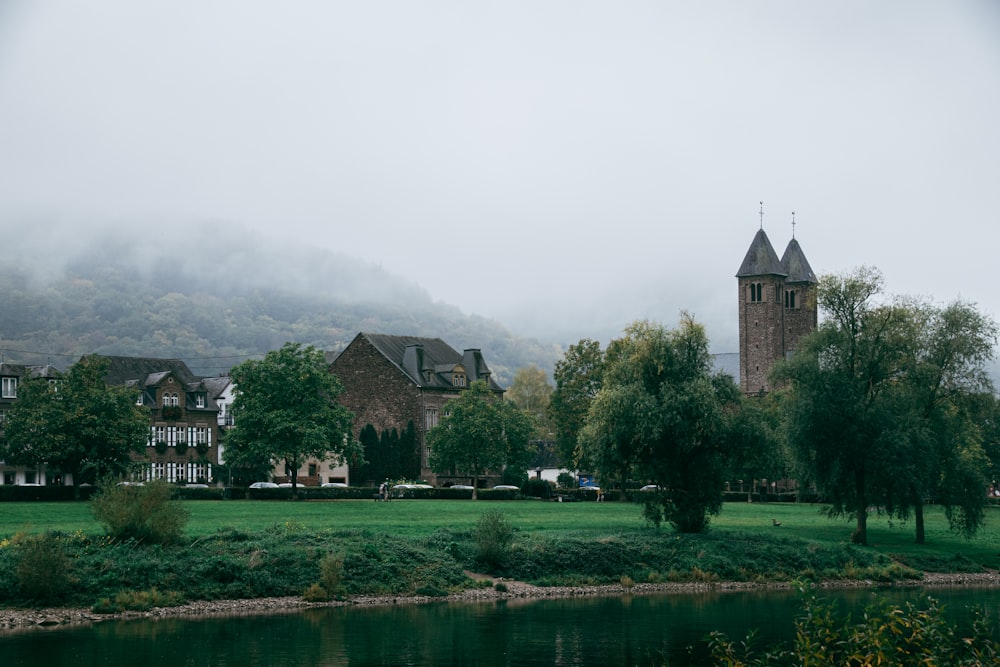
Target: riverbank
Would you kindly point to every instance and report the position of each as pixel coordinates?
(14, 620)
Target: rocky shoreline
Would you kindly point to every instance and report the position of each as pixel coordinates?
(31, 619)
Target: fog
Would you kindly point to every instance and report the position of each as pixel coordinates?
(562, 167)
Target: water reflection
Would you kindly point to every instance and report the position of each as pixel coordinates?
(639, 630)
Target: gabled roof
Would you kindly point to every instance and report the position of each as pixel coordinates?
(761, 259)
(795, 265)
(147, 371)
(22, 370)
(430, 362)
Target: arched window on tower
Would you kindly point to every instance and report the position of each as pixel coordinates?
(756, 292)
(790, 298)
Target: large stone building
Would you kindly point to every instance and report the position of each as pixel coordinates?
(393, 382)
(777, 306)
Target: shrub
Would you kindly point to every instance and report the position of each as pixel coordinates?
(145, 514)
(331, 573)
(137, 601)
(493, 537)
(566, 480)
(43, 569)
(316, 593)
(538, 488)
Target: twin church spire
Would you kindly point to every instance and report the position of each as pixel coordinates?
(777, 306)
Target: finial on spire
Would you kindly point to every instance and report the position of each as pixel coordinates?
(762, 215)
(793, 224)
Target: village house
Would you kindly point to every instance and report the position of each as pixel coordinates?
(184, 432)
(392, 382)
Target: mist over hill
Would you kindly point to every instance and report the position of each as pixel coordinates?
(216, 304)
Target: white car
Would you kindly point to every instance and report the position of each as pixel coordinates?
(461, 487)
(335, 485)
(506, 487)
(263, 485)
(650, 487)
(413, 486)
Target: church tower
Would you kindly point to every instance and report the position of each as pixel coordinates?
(777, 306)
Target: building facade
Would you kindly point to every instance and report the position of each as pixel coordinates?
(184, 431)
(777, 306)
(393, 381)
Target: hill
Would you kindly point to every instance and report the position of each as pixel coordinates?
(215, 308)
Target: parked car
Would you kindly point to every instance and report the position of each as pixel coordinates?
(263, 485)
(412, 486)
(462, 487)
(334, 485)
(506, 487)
(650, 487)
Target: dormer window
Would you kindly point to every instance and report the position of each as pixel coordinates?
(170, 400)
(199, 400)
(458, 380)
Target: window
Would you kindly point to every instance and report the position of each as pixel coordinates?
(790, 298)
(9, 477)
(312, 469)
(458, 380)
(756, 292)
(9, 388)
(199, 401)
(201, 433)
(431, 418)
(30, 477)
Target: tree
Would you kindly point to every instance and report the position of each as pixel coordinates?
(481, 432)
(531, 392)
(578, 378)
(879, 404)
(662, 414)
(77, 425)
(944, 380)
(286, 409)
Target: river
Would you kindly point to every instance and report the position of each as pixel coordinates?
(597, 631)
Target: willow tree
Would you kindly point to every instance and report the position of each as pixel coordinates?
(662, 414)
(878, 401)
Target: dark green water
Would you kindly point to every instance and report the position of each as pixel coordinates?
(604, 632)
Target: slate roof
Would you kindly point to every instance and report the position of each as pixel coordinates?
(146, 372)
(795, 265)
(23, 370)
(761, 259)
(429, 362)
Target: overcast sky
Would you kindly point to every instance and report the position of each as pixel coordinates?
(564, 167)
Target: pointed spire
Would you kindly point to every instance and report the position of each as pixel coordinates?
(762, 215)
(761, 259)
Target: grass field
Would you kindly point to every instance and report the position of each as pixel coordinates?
(421, 518)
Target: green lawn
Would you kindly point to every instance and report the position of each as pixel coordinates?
(419, 518)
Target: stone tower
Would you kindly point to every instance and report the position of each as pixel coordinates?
(777, 301)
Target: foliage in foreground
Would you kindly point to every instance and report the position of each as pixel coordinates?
(289, 559)
(889, 635)
(146, 514)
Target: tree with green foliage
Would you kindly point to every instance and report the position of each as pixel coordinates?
(77, 425)
(662, 414)
(480, 432)
(578, 377)
(531, 391)
(878, 404)
(286, 409)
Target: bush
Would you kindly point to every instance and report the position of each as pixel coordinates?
(538, 488)
(145, 514)
(885, 635)
(44, 571)
(566, 480)
(331, 573)
(493, 537)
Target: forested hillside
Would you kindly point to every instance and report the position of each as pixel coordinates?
(215, 309)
